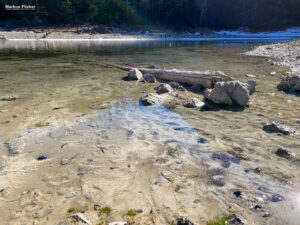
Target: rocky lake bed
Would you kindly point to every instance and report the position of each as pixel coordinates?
(97, 137)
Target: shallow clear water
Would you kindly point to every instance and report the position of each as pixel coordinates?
(67, 91)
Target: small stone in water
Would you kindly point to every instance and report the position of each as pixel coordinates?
(65, 162)
(237, 193)
(201, 141)
(247, 170)
(42, 158)
(257, 170)
(277, 198)
(266, 215)
(1, 167)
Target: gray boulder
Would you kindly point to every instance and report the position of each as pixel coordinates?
(276, 127)
(193, 103)
(163, 88)
(135, 74)
(150, 99)
(291, 83)
(229, 93)
(149, 78)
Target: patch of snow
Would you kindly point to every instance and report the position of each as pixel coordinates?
(291, 32)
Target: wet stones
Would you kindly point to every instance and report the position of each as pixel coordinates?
(276, 127)
(9, 98)
(163, 88)
(236, 220)
(135, 74)
(229, 93)
(193, 103)
(238, 153)
(149, 78)
(290, 84)
(150, 99)
(285, 153)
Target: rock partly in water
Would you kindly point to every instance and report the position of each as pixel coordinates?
(229, 93)
(163, 88)
(149, 78)
(193, 103)
(9, 98)
(251, 86)
(135, 74)
(276, 127)
(150, 99)
(290, 84)
(285, 153)
(14, 147)
(177, 86)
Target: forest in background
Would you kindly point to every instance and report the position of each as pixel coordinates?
(255, 15)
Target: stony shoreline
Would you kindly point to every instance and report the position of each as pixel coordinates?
(283, 54)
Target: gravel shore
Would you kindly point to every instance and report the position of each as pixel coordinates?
(284, 54)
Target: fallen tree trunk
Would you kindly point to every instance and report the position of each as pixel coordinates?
(205, 79)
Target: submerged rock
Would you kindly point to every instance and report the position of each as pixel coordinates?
(14, 147)
(135, 74)
(149, 78)
(193, 103)
(150, 99)
(229, 93)
(163, 88)
(9, 98)
(291, 83)
(276, 127)
(285, 153)
(64, 162)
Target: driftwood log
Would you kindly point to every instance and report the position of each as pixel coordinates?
(206, 79)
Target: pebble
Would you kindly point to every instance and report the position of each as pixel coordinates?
(298, 121)
(277, 198)
(42, 157)
(273, 73)
(250, 76)
(266, 215)
(257, 170)
(2, 167)
(117, 223)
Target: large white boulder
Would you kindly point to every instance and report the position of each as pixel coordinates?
(229, 93)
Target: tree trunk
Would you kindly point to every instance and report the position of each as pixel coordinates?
(205, 79)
